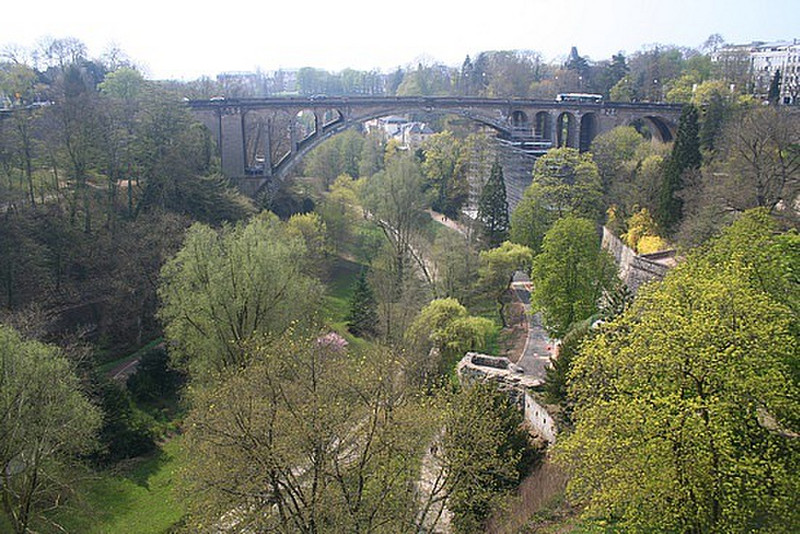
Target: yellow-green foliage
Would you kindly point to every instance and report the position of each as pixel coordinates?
(650, 243)
(642, 235)
(446, 325)
(672, 398)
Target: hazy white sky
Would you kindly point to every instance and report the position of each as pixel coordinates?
(185, 40)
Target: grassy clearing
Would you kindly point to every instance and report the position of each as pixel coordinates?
(136, 498)
(342, 277)
(336, 302)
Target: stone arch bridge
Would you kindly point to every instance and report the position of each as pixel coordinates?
(261, 139)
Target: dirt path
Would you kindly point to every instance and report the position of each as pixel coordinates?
(121, 372)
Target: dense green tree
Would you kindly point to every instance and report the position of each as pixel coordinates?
(531, 219)
(487, 451)
(571, 274)
(362, 319)
(685, 157)
(686, 418)
(126, 432)
(396, 203)
(445, 167)
(714, 117)
(497, 270)
(339, 209)
(173, 154)
(371, 155)
(623, 91)
(456, 261)
(611, 150)
(46, 422)
(569, 182)
(155, 380)
(638, 182)
(225, 287)
(308, 439)
(311, 229)
(338, 155)
(493, 208)
(445, 326)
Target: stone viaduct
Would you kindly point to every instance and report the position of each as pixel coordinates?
(261, 139)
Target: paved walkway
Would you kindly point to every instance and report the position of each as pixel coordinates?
(450, 223)
(538, 347)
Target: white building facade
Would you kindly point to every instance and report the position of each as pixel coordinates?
(783, 58)
(759, 62)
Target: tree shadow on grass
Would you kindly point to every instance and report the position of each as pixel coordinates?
(140, 470)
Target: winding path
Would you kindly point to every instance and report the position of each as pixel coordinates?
(535, 356)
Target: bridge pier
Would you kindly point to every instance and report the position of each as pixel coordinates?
(232, 148)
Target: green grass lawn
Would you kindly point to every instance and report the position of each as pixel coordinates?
(342, 277)
(136, 499)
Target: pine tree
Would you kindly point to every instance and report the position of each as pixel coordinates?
(713, 120)
(685, 156)
(467, 75)
(775, 88)
(577, 63)
(493, 207)
(363, 317)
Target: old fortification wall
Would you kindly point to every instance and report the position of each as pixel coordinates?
(636, 269)
(475, 367)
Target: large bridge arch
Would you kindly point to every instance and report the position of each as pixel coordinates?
(664, 129)
(258, 144)
(289, 160)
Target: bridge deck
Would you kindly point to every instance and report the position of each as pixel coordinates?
(423, 101)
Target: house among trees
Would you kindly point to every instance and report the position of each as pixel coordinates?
(414, 134)
(409, 134)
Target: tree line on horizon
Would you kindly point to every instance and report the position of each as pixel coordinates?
(654, 73)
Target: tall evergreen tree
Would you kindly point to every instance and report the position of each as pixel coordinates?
(685, 156)
(493, 207)
(363, 317)
(713, 120)
(775, 88)
(466, 78)
(577, 63)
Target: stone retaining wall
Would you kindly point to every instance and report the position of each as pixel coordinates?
(635, 269)
(475, 367)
